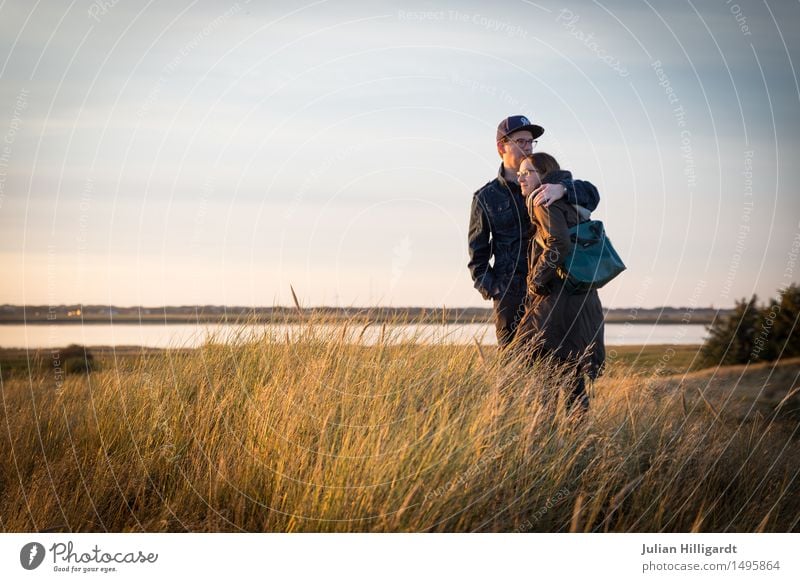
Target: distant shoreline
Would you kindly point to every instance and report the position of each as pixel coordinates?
(290, 321)
(184, 315)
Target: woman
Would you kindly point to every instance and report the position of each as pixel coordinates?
(568, 327)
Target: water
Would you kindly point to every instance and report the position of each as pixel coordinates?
(161, 336)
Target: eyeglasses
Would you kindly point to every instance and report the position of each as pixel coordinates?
(522, 142)
(526, 173)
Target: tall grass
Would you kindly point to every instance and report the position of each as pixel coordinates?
(326, 431)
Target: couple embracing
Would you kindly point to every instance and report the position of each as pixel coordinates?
(521, 220)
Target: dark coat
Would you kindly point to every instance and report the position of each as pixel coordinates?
(500, 228)
(568, 326)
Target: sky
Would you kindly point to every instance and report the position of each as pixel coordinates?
(192, 153)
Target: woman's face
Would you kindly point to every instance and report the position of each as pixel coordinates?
(529, 178)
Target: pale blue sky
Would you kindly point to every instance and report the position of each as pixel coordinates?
(215, 152)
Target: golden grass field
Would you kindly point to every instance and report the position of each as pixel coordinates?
(317, 433)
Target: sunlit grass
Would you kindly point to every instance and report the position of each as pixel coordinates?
(321, 432)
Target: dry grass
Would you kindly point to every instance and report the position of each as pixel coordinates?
(321, 433)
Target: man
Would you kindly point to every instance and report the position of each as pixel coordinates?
(499, 226)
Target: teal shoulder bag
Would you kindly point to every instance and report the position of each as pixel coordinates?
(593, 261)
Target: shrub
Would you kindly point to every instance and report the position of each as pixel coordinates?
(752, 333)
(76, 359)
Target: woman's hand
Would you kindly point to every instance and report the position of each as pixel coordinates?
(546, 194)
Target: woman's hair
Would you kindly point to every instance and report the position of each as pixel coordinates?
(544, 163)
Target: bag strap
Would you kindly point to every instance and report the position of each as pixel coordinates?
(584, 215)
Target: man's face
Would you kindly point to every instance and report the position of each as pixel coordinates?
(515, 147)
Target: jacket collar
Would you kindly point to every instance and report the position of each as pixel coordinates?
(512, 187)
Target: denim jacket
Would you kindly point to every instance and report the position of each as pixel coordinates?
(500, 228)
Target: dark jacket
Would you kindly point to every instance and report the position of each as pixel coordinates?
(500, 228)
(568, 326)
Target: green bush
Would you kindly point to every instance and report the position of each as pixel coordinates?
(781, 319)
(73, 359)
(752, 333)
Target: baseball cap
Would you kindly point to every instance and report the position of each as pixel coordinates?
(517, 123)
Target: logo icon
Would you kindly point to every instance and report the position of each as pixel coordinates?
(31, 555)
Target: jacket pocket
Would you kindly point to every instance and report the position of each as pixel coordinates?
(502, 215)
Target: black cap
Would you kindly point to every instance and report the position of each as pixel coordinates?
(517, 123)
